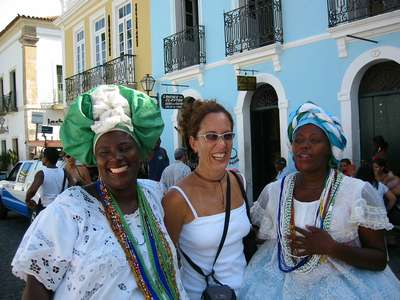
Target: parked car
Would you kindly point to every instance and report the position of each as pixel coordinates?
(13, 189)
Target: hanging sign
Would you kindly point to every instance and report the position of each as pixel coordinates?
(46, 129)
(37, 117)
(172, 101)
(246, 83)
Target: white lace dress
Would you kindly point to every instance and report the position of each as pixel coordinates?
(357, 204)
(71, 248)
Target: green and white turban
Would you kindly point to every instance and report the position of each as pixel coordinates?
(309, 113)
(107, 108)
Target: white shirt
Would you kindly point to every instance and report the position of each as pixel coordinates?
(71, 248)
(52, 185)
(173, 174)
(200, 239)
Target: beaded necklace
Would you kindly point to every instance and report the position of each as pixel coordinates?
(161, 282)
(289, 262)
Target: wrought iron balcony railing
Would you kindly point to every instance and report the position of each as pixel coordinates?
(184, 49)
(253, 26)
(345, 11)
(120, 70)
(8, 103)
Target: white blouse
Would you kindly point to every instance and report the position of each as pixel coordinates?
(71, 249)
(356, 204)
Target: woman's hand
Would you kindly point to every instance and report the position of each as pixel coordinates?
(313, 241)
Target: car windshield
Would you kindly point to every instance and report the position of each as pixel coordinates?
(13, 174)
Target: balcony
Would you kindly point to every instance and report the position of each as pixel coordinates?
(8, 103)
(120, 70)
(253, 26)
(346, 11)
(184, 49)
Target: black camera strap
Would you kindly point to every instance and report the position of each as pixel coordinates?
(221, 244)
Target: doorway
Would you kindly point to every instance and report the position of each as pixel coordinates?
(379, 109)
(265, 136)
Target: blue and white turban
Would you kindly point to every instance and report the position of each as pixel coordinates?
(309, 113)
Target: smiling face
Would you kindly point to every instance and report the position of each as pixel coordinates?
(117, 157)
(311, 149)
(213, 155)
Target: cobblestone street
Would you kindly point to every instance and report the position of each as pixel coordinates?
(11, 232)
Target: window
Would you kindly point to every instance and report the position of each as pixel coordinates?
(100, 41)
(13, 90)
(13, 174)
(15, 146)
(80, 51)
(186, 12)
(60, 85)
(3, 147)
(24, 172)
(125, 29)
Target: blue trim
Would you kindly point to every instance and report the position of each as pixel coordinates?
(14, 204)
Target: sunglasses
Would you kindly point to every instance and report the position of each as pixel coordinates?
(213, 137)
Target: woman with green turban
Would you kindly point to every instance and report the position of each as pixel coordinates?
(106, 240)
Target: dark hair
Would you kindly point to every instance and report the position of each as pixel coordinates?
(179, 153)
(380, 142)
(281, 161)
(193, 113)
(382, 163)
(345, 160)
(51, 154)
(366, 173)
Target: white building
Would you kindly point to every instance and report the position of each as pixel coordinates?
(30, 81)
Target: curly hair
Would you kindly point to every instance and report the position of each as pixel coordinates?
(192, 114)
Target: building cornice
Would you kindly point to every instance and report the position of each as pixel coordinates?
(366, 28)
(186, 74)
(254, 56)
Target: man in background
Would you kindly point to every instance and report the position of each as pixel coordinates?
(158, 162)
(176, 171)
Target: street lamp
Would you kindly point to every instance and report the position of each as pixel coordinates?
(147, 83)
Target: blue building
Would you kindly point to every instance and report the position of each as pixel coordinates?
(344, 55)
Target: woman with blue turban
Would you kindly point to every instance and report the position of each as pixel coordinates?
(106, 240)
(323, 231)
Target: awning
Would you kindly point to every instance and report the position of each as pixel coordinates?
(49, 143)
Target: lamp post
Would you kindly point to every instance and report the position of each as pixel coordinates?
(147, 83)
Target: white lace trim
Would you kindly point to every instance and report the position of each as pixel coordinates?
(369, 216)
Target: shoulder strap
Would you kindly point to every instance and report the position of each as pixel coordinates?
(177, 188)
(64, 181)
(243, 193)
(221, 243)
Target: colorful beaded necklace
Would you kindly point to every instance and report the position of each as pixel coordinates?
(289, 262)
(157, 282)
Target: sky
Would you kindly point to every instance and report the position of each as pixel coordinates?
(35, 8)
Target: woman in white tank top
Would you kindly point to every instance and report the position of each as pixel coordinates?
(195, 208)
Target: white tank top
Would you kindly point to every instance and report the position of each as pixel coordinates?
(52, 185)
(200, 239)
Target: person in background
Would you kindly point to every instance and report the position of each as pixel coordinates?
(78, 174)
(47, 183)
(195, 208)
(106, 240)
(384, 175)
(365, 172)
(158, 162)
(280, 164)
(324, 231)
(176, 171)
(380, 148)
(346, 167)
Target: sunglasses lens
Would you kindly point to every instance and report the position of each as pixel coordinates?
(228, 136)
(212, 137)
